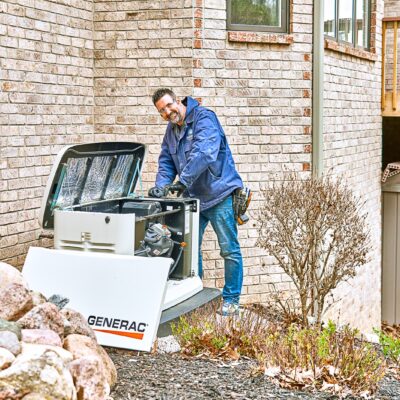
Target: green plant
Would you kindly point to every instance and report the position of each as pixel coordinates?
(326, 339)
(325, 358)
(390, 346)
(219, 342)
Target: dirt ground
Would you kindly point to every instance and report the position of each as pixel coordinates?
(175, 377)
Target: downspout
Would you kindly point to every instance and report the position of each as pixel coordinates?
(94, 75)
(318, 90)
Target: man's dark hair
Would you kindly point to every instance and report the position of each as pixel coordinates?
(161, 93)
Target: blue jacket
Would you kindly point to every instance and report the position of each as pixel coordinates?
(200, 156)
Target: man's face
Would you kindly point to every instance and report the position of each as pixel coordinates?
(171, 110)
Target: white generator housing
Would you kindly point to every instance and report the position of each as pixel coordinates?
(91, 203)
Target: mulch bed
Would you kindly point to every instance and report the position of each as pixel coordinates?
(175, 377)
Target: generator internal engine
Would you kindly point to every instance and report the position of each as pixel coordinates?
(157, 242)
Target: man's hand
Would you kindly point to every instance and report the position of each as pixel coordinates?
(177, 187)
(156, 192)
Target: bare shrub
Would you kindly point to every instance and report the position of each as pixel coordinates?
(315, 230)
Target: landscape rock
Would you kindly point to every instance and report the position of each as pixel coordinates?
(36, 396)
(33, 363)
(15, 301)
(90, 383)
(10, 326)
(67, 325)
(77, 324)
(168, 344)
(33, 350)
(82, 346)
(6, 358)
(8, 393)
(43, 316)
(41, 336)
(58, 300)
(45, 375)
(37, 298)
(9, 341)
(9, 275)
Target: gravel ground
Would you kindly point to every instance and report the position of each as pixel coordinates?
(158, 376)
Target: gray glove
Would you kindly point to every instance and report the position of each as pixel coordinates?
(177, 187)
(156, 192)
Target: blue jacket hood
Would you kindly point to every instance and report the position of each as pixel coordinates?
(190, 103)
(200, 156)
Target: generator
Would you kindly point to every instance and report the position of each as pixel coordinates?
(93, 204)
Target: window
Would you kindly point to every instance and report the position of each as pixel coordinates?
(362, 23)
(258, 15)
(345, 31)
(348, 21)
(329, 18)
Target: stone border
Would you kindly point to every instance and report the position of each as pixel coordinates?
(255, 37)
(349, 50)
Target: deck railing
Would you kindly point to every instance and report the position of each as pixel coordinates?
(390, 29)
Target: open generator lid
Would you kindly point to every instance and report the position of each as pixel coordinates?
(91, 172)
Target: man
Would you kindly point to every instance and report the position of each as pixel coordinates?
(195, 148)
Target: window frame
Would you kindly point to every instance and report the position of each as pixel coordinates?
(354, 26)
(260, 28)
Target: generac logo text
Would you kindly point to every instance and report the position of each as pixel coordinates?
(132, 329)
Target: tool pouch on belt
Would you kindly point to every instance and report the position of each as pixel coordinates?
(241, 201)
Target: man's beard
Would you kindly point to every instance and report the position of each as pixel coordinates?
(175, 118)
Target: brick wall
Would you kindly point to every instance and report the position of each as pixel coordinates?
(87, 71)
(352, 151)
(46, 101)
(260, 87)
(139, 46)
(392, 9)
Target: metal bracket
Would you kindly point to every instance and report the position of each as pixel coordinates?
(390, 170)
(193, 206)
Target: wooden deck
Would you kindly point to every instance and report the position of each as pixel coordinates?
(390, 96)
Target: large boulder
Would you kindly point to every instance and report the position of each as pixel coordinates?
(9, 341)
(9, 275)
(45, 375)
(41, 336)
(83, 346)
(43, 316)
(77, 324)
(15, 301)
(34, 350)
(90, 382)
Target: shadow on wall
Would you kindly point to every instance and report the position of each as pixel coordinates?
(390, 140)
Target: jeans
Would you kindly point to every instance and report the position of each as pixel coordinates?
(223, 222)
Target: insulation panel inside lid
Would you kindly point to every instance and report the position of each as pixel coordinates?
(92, 172)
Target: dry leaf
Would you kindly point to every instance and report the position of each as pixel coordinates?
(272, 372)
(330, 387)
